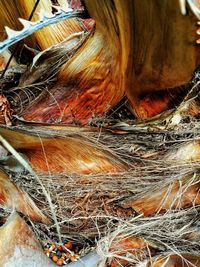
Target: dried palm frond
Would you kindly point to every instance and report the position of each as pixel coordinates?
(95, 79)
(148, 170)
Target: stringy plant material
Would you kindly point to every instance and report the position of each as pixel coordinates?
(89, 208)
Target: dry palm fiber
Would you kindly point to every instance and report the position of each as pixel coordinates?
(11, 197)
(149, 150)
(87, 205)
(159, 159)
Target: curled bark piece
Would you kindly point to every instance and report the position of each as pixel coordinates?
(19, 247)
(181, 193)
(49, 61)
(13, 197)
(183, 260)
(72, 154)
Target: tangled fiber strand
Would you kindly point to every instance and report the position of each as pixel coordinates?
(172, 233)
(88, 206)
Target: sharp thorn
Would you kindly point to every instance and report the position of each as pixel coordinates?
(66, 9)
(182, 4)
(26, 23)
(48, 15)
(11, 33)
(58, 8)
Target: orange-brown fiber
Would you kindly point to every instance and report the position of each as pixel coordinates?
(134, 245)
(153, 56)
(86, 86)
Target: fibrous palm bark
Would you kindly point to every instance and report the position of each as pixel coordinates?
(137, 49)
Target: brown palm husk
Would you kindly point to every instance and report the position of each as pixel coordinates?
(93, 207)
(149, 159)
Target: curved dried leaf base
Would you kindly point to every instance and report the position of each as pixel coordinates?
(18, 246)
(179, 194)
(72, 154)
(88, 85)
(14, 198)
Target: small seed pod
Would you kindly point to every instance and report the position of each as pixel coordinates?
(52, 247)
(60, 262)
(60, 248)
(47, 252)
(55, 258)
(73, 258)
(68, 245)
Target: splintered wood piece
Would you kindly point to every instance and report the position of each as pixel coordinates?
(13, 197)
(182, 260)
(72, 154)
(18, 246)
(181, 193)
